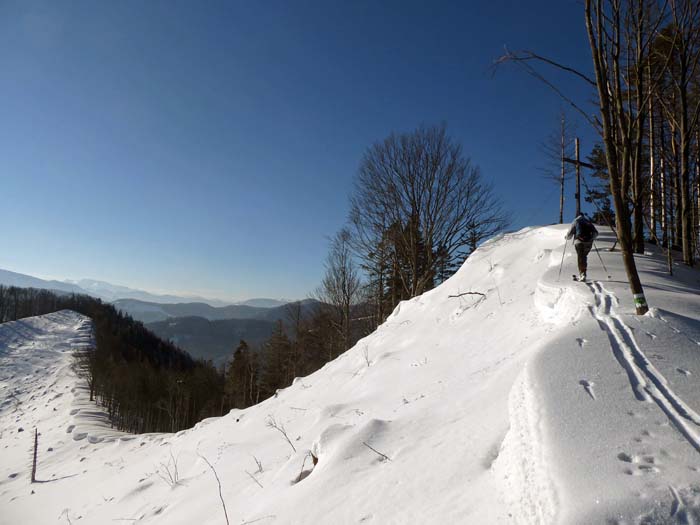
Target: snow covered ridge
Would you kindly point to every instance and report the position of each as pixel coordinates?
(541, 401)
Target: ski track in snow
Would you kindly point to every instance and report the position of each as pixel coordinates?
(647, 382)
(522, 461)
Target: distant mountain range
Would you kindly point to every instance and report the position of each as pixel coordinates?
(206, 334)
(149, 312)
(264, 303)
(205, 328)
(113, 292)
(9, 278)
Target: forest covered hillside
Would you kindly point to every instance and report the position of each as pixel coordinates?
(150, 312)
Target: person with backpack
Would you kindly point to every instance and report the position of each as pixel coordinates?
(584, 233)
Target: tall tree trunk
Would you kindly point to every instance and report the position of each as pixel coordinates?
(697, 190)
(685, 216)
(652, 168)
(638, 131)
(612, 118)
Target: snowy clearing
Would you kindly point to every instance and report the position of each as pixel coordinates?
(543, 401)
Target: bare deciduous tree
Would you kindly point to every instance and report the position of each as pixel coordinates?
(340, 287)
(558, 147)
(418, 203)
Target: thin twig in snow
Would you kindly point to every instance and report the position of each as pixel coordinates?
(303, 464)
(65, 511)
(259, 519)
(169, 472)
(218, 481)
(376, 451)
(253, 478)
(270, 422)
(259, 464)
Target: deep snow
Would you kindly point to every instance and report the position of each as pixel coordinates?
(546, 401)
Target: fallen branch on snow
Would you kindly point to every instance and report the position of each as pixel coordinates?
(253, 478)
(218, 481)
(376, 451)
(466, 293)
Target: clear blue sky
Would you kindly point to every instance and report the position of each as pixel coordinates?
(209, 147)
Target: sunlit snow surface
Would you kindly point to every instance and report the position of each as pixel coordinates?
(546, 401)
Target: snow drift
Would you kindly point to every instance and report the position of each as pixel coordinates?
(540, 401)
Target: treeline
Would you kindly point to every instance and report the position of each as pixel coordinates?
(664, 189)
(146, 384)
(646, 80)
(669, 196)
(648, 121)
(299, 346)
(418, 208)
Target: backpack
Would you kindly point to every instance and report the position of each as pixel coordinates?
(585, 231)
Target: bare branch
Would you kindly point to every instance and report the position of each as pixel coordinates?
(271, 516)
(508, 57)
(466, 293)
(254, 479)
(271, 423)
(527, 55)
(218, 481)
(384, 456)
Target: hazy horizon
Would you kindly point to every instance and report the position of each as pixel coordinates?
(176, 293)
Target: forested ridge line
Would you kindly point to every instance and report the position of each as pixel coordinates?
(146, 384)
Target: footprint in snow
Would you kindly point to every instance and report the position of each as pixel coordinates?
(684, 371)
(588, 386)
(624, 456)
(648, 469)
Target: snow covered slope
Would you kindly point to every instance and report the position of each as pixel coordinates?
(541, 401)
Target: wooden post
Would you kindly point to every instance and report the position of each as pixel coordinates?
(562, 178)
(578, 180)
(36, 447)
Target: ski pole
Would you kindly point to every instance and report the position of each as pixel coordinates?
(601, 259)
(562, 258)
